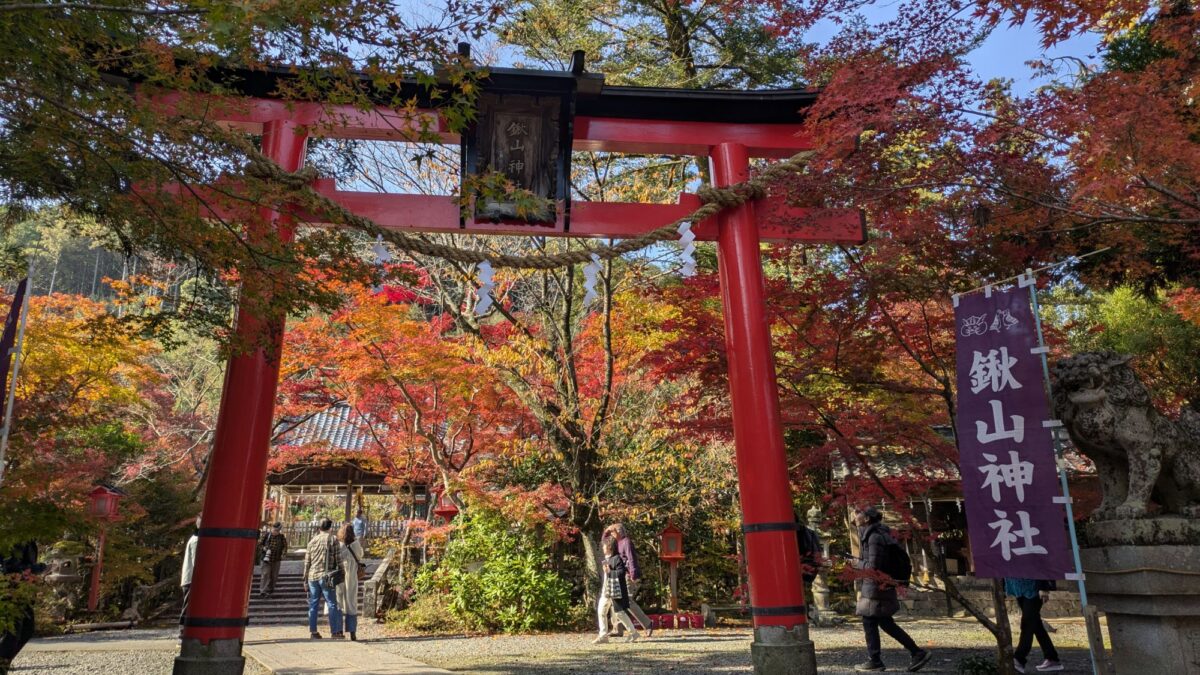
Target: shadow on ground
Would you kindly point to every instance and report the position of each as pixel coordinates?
(619, 660)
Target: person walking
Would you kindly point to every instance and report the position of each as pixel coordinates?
(22, 560)
(625, 549)
(878, 601)
(614, 592)
(347, 592)
(185, 573)
(1031, 594)
(274, 548)
(322, 574)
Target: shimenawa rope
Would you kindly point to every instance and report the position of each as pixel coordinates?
(713, 200)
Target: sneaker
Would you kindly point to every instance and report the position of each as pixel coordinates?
(1049, 666)
(338, 636)
(600, 640)
(919, 660)
(315, 636)
(869, 666)
(1018, 666)
(632, 637)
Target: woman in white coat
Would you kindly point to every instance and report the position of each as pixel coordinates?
(347, 591)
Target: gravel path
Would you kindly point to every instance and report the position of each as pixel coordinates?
(724, 650)
(707, 651)
(128, 652)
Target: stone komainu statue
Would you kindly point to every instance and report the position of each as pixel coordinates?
(1138, 453)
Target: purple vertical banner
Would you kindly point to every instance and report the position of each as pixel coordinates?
(1006, 452)
(8, 339)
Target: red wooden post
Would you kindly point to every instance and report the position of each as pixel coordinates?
(94, 592)
(216, 615)
(781, 643)
(102, 504)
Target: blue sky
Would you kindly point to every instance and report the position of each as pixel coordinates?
(1008, 49)
(1004, 54)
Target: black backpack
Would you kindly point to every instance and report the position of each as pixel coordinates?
(810, 551)
(895, 561)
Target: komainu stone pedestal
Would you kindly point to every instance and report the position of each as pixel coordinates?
(1150, 593)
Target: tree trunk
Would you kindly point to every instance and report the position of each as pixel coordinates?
(589, 537)
(1003, 632)
(679, 37)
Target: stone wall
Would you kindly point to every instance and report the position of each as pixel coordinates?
(922, 604)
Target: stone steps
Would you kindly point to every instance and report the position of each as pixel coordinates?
(289, 603)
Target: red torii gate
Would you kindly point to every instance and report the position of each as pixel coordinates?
(728, 127)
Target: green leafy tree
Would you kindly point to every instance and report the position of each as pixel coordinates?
(1163, 343)
(497, 574)
(80, 126)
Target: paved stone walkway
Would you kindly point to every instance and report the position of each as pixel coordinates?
(287, 651)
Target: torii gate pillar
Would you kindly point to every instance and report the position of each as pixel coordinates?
(781, 645)
(214, 624)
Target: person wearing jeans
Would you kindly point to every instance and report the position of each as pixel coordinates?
(351, 555)
(316, 590)
(1031, 594)
(321, 561)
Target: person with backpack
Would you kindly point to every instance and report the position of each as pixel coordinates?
(886, 566)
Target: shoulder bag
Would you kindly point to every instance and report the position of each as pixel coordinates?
(362, 567)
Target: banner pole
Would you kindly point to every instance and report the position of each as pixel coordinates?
(1031, 281)
(16, 369)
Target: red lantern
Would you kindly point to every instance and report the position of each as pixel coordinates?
(672, 544)
(102, 503)
(445, 507)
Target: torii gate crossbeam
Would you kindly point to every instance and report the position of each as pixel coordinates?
(728, 127)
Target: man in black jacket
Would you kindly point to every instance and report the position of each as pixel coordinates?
(878, 601)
